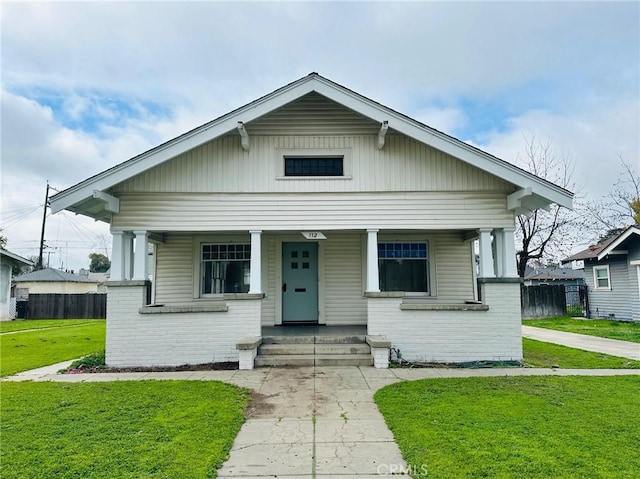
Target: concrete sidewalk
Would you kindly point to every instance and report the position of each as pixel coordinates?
(312, 422)
(614, 347)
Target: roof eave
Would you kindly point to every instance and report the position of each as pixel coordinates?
(16, 258)
(618, 241)
(192, 139)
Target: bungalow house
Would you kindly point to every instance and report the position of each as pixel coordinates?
(612, 273)
(7, 261)
(312, 205)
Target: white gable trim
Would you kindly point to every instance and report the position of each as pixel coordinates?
(15, 257)
(543, 190)
(609, 249)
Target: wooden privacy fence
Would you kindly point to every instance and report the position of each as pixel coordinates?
(544, 301)
(67, 306)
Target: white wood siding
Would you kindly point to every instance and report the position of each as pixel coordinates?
(454, 274)
(242, 212)
(313, 114)
(343, 280)
(270, 286)
(402, 165)
(344, 301)
(174, 273)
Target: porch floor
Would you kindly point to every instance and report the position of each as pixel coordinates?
(313, 330)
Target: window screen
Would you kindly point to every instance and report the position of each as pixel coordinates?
(303, 166)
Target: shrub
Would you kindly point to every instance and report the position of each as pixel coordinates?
(91, 361)
(574, 310)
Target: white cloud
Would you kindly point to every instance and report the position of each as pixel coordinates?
(568, 71)
(447, 119)
(593, 140)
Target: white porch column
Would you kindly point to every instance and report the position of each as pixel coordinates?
(498, 255)
(127, 238)
(117, 256)
(140, 255)
(510, 269)
(373, 279)
(255, 264)
(486, 256)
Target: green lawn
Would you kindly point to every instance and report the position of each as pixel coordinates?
(8, 326)
(145, 429)
(593, 327)
(509, 427)
(33, 349)
(545, 355)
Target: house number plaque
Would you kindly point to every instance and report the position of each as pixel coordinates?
(313, 235)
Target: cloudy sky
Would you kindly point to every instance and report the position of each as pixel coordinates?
(88, 85)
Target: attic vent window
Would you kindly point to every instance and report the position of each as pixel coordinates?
(314, 166)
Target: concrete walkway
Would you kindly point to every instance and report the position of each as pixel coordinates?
(614, 347)
(312, 422)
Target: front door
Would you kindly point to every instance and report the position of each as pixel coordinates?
(300, 282)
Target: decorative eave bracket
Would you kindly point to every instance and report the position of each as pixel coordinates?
(244, 136)
(111, 203)
(523, 202)
(382, 133)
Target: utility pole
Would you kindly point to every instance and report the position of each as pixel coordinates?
(44, 220)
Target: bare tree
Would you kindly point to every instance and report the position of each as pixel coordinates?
(621, 207)
(545, 234)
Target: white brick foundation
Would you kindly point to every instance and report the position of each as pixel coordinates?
(174, 339)
(453, 336)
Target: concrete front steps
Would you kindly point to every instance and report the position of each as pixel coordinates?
(314, 351)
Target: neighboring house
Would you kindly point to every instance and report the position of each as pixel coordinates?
(50, 280)
(538, 275)
(612, 273)
(7, 261)
(312, 205)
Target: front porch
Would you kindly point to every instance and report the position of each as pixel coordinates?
(417, 290)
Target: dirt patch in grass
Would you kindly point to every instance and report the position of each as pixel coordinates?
(223, 366)
(467, 365)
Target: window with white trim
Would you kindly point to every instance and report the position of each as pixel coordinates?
(404, 266)
(601, 278)
(224, 268)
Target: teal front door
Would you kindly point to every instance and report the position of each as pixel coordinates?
(300, 282)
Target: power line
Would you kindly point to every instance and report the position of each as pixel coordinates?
(16, 218)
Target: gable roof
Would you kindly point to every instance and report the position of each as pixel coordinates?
(52, 275)
(10, 257)
(537, 191)
(553, 273)
(605, 247)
